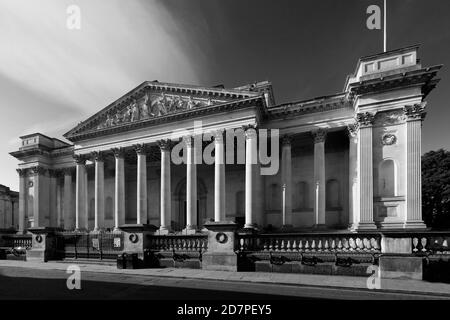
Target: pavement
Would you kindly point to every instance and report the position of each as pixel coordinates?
(401, 286)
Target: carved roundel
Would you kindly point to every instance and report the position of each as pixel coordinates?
(38, 238)
(133, 238)
(388, 139)
(221, 237)
(30, 184)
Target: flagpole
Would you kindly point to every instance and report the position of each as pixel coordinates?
(384, 28)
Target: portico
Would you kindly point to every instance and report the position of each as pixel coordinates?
(161, 155)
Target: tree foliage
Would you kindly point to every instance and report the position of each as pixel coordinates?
(436, 188)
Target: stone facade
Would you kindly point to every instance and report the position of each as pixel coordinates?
(9, 208)
(349, 160)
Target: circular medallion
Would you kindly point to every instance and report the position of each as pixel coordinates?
(221, 237)
(388, 139)
(38, 238)
(133, 238)
(30, 184)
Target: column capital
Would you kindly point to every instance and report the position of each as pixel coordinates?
(218, 136)
(364, 119)
(189, 141)
(352, 129)
(98, 156)
(286, 140)
(22, 172)
(80, 159)
(67, 171)
(319, 135)
(140, 148)
(37, 170)
(250, 131)
(118, 152)
(54, 173)
(415, 112)
(165, 144)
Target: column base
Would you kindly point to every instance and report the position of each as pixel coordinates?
(250, 226)
(163, 231)
(320, 226)
(190, 230)
(360, 226)
(287, 227)
(414, 224)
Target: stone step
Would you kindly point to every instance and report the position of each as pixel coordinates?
(105, 262)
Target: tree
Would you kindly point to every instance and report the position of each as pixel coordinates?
(436, 188)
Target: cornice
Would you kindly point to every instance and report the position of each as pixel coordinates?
(422, 76)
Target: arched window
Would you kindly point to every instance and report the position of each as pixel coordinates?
(332, 193)
(301, 196)
(387, 179)
(109, 209)
(274, 197)
(240, 203)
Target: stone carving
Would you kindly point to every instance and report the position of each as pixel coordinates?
(118, 152)
(286, 140)
(319, 135)
(151, 106)
(415, 112)
(165, 144)
(352, 129)
(365, 119)
(140, 148)
(389, 118)
(388, 139)
(22, 172)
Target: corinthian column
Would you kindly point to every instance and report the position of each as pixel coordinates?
(352, 131)
(22, 202)
(165, 146)
(319, 177)
(99, 192)
(286, 179)
(219, 177)
(141, 183)
(119, 203)
(251, 160)
(80, 201)
(414, 117)
(364, 220)
(191, 186)
(69, 223)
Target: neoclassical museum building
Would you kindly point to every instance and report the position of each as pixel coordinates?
(350, 160)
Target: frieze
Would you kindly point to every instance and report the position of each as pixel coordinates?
(153, 106)
(390, 117)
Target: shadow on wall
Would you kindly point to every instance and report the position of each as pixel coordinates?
(436, 270)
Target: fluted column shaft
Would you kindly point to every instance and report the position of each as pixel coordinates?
(80, 201)
(119, 191)
(319, 176)
(99, 191)
(191, 185)
(67, 209)
(353, 175)
(219, 177)
(251, 159)
(22, 200)
(286, 179)
(141, 184)
(165, 146)
(414, 117)
(364, 220)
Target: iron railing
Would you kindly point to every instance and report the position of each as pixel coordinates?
(103, 245)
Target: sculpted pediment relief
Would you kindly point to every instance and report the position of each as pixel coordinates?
(152, 105)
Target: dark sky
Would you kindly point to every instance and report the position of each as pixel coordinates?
(51, 77)
(306, 48)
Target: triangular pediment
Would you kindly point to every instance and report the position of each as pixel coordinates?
(154, 100)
